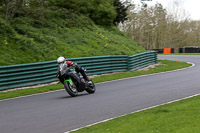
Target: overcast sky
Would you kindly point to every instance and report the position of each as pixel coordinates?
(192, 7)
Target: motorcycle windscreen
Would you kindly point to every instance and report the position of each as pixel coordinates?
(63, 68)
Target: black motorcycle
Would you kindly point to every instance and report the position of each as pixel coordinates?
(74, 82)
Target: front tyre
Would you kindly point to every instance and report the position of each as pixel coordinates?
(91, 88)
(71, 89)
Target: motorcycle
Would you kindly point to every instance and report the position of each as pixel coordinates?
(74, 82)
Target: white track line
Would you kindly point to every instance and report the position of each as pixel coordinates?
(141, 109)
(150, 74)
(29, 95)
(113, 81)
(102, 82)
(133, 112)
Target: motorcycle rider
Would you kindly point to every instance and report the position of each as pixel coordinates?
(80, 69)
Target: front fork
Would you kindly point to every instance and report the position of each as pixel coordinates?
(69, 80)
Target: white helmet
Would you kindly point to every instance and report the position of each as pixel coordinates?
(60, 60)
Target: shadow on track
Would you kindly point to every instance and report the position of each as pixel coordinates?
(68, 97)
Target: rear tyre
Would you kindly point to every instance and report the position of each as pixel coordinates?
(71, 89)
(91, 88)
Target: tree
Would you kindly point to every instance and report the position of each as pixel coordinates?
(100, 11)
(147, 26)
(121, 9)
(156, 28)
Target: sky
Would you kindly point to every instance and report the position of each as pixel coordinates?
(191, 7)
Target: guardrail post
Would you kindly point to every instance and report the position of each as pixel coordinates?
(128, 63)
(156, 57)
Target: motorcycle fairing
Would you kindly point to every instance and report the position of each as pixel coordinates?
(74, 76)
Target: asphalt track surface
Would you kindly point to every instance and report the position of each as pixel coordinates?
(57, 112)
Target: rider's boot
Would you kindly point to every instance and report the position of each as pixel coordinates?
(86, 77)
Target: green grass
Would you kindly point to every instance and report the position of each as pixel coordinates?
(59, 33)
(167, 66)
(182, 54)
(178, 117)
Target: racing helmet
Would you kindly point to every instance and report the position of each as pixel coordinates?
(60, 60)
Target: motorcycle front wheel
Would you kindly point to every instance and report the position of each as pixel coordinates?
(71, 89)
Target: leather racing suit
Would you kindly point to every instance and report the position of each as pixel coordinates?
(77, 68)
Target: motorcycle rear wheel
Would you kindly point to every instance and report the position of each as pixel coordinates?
(71, 89)
(91, 88)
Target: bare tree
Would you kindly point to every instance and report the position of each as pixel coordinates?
(156, 27)
(147, 25)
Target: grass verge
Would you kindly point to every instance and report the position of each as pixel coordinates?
(181, 54)
(167, 66)
(178, 117)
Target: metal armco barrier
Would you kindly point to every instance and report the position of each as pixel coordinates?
(138, 61)
(14, 76)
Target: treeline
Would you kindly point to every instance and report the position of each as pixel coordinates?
(156, 28)
(102, 12)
